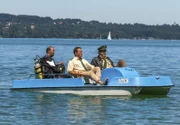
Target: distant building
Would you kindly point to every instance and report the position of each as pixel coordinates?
(60, 22)
(32, 27)
(8, 24)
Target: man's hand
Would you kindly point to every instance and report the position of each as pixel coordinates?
(79, 73)
(60, 63)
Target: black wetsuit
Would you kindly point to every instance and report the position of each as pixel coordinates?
(49, 67)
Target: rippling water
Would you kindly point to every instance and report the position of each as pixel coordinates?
(147, 57)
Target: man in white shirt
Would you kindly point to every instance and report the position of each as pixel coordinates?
(81, 67)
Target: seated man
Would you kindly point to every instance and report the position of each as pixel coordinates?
(105, 62)
(49, 67)
(81, 67)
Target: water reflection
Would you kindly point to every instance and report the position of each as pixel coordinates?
(84, 107)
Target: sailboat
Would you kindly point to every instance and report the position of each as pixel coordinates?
(109, 36)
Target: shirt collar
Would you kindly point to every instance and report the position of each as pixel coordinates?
(76, 58)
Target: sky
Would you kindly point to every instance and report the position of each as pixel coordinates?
(150, 12)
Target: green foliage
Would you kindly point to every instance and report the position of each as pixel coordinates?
(24, 26)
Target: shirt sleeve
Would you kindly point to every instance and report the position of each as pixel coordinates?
(70, 66)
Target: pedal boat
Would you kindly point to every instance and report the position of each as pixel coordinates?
(121, 81)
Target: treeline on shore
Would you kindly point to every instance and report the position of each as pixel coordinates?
(25, 26)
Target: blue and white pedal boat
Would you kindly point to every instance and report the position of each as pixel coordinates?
(121, 81)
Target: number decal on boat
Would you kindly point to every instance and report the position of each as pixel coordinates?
(123, 80)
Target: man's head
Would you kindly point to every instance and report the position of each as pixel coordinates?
(78, 52)
(50, 51)
(102, 51)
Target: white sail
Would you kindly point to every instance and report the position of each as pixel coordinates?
(109, 36)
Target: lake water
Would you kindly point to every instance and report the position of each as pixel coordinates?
(148, 57)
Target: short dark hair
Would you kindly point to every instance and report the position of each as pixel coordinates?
(48, 48)
(75, 49)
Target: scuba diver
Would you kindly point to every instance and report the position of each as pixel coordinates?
(49, 68)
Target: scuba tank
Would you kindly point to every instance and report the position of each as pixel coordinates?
(38, 68)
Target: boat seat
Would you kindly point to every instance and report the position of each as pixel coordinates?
(119, 72)
(52, 76)
(65, 75)
(87, 79)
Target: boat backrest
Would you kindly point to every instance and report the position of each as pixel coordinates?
(119, 72)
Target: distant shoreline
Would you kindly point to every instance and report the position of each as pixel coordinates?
(95, 39)
(25, 26)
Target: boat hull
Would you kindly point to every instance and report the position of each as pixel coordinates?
(73, 86)
(91, 90)
(155, 90)
(151, 85)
